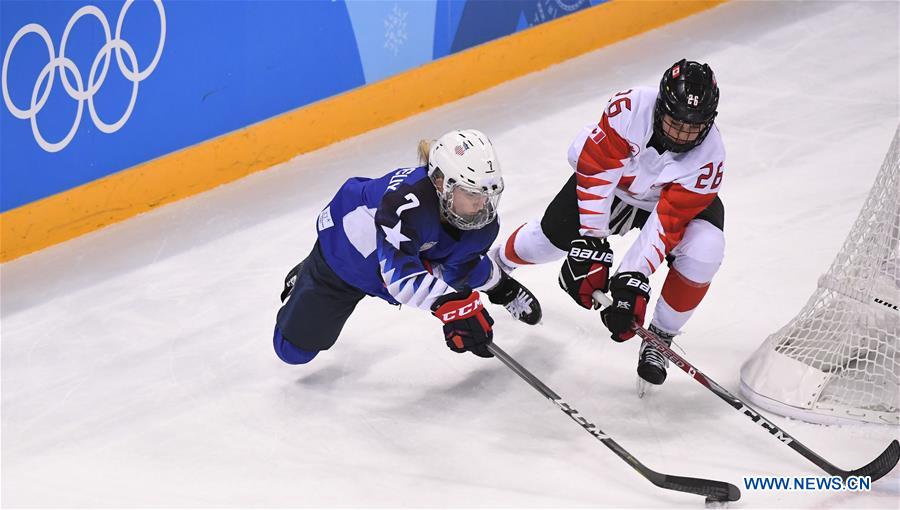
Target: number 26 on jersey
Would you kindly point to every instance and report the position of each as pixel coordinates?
(703, 180)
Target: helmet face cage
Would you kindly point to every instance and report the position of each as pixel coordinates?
(682, 133)
(456, 215)
(686, 105)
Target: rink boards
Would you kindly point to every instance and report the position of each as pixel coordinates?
(203, 105)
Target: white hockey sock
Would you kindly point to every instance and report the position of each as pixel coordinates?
(677, 302)
(697, 259)
(528, 245)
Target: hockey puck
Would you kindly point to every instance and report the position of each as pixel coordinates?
(712, 502)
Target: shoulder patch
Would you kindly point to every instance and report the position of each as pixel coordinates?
(325, 220)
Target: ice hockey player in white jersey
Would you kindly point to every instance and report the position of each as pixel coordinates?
(655, 161)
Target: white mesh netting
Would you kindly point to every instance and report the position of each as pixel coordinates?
(838, 360)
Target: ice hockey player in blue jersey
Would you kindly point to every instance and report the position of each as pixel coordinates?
(415, 236)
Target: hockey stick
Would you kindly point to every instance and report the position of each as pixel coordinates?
(714, 490)
(875, 469)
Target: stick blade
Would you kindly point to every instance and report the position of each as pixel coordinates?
(714, 490)
(882, 464)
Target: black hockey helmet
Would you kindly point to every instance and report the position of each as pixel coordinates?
(688, 96)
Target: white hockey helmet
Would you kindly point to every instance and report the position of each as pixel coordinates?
(464, 168)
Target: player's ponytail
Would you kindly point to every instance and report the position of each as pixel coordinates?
(424, 149)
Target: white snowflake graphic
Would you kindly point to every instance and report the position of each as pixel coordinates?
(546, 10)
(395, 29)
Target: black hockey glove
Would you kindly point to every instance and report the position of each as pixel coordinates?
(467, 325)
(518, 301)
(630, 292)
(586, 269)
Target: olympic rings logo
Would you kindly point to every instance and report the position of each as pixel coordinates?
(94, 82)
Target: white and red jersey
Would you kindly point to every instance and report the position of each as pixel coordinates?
(611, 158)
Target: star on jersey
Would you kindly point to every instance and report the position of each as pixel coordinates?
(393, 235)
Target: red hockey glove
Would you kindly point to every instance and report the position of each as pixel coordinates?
(586, 269)
(467, 325)
(630, 292)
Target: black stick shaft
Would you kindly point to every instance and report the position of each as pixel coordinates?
(713, 489)
(875, 469)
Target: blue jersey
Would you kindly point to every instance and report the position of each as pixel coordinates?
(379, 235)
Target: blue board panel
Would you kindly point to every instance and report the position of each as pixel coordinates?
(75, 108)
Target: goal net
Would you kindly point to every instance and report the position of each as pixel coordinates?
(837, 361)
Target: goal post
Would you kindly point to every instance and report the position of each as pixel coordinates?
(838, 360)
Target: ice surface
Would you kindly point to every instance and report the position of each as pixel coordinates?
(137, 367)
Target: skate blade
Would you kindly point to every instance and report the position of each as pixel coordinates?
(642, 387)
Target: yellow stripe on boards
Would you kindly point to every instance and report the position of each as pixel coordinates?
(259, 146)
